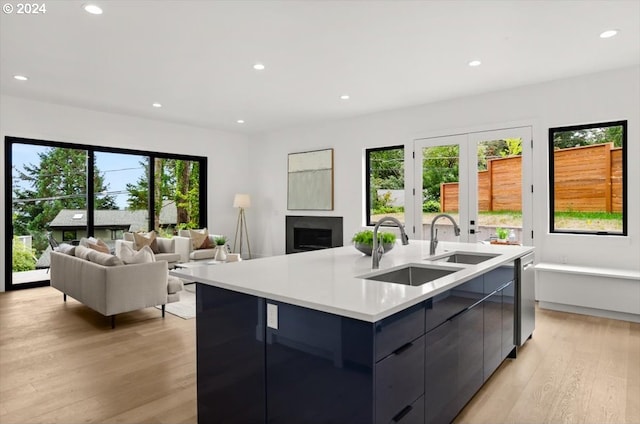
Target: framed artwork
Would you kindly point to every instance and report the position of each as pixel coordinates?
(310, 180)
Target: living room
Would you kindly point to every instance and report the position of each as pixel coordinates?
(247, 159)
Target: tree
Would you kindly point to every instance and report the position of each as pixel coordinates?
(588, 137)
(440, 165)
(176, 181)
(58, 181)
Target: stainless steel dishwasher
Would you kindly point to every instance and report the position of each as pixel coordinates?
(526, 316)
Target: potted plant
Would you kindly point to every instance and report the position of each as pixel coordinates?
(363, 241)
(221, 248)
(502, 234)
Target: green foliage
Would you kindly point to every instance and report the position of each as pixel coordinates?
(24, 259)
(514, 147)
(588, 137)
(220, 241)
(175, 181)
(431, 206)
(440, 165)
(366, 237)
(502, 233)
(383, 204)
(58, 181)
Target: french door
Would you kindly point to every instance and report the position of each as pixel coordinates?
(482, 179)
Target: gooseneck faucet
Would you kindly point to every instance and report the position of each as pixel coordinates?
(378, 249)
(434, 232)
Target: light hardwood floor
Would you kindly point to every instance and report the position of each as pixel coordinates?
(62, 363)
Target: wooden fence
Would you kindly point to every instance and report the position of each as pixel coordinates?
(587, 179)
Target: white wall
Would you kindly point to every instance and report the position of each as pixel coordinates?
(226, 152)
(593, 98)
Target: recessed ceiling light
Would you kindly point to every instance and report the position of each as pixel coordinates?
(240, 121)
(93, 9)
(609, 33)
(20, 77)
(475, 63)
(156, 105)
(344, 97)
(258, 66)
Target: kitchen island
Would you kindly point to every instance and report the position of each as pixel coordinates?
(321, 337)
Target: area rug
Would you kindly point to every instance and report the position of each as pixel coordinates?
(186, 307)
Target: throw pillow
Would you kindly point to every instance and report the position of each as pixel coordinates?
(82, 252)
(105, 259)
(130, 256)
(66, 248)
(98, 245)
(200, 239)
(146, 239)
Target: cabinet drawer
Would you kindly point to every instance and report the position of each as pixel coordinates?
(498, 277)
(399, 380)
(447, 304)
(398, 329)
(412, 414)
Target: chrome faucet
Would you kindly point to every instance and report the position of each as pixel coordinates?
(434, 232)
(378, 249)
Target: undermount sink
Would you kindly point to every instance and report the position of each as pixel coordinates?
(469, 258)
(411, 275)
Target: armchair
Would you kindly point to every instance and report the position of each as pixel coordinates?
(186, 250)
(166, 247)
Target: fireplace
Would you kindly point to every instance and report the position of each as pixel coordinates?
(305, 233)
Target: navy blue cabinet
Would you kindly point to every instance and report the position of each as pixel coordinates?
(454, 349)
(421, 365)
(319, 368)
(499, 317)
(492, 334)
(508, 320)
(230, 356)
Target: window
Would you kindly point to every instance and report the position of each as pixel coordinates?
(588, 182)
(69, 235)
(74, 191)
(117, 234)
(385, 183)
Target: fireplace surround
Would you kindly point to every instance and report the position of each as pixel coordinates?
(305, 233)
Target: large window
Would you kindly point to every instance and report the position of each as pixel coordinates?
(588, 183)
(50, 197)
(385, 183)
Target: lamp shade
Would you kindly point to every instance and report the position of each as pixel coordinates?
(242, 201)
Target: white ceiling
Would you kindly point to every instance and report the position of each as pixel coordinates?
(196, 57)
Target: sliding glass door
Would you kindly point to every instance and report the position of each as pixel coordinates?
(481, 179)
(52, 201)
(46, 182)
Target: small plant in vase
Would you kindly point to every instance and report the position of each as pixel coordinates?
(363, 241)
(221, 248)
(502, 234)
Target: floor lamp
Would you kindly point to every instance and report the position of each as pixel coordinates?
(241, 201)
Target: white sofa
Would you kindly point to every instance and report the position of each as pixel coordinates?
(103, 284)
(184, 247)
(166, 247)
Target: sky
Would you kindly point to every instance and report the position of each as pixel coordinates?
(117, 169)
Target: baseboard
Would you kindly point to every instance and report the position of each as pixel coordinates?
(621, 316)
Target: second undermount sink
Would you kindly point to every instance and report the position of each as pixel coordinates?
(411, 275)
(469, 258)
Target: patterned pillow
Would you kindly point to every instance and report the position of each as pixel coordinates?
(200, 239)
(146, 239)
(130, 256)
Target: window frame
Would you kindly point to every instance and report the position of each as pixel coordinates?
(551, 147)
(10, 141)
(367, 179)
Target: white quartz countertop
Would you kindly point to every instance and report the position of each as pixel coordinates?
(331, 280)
